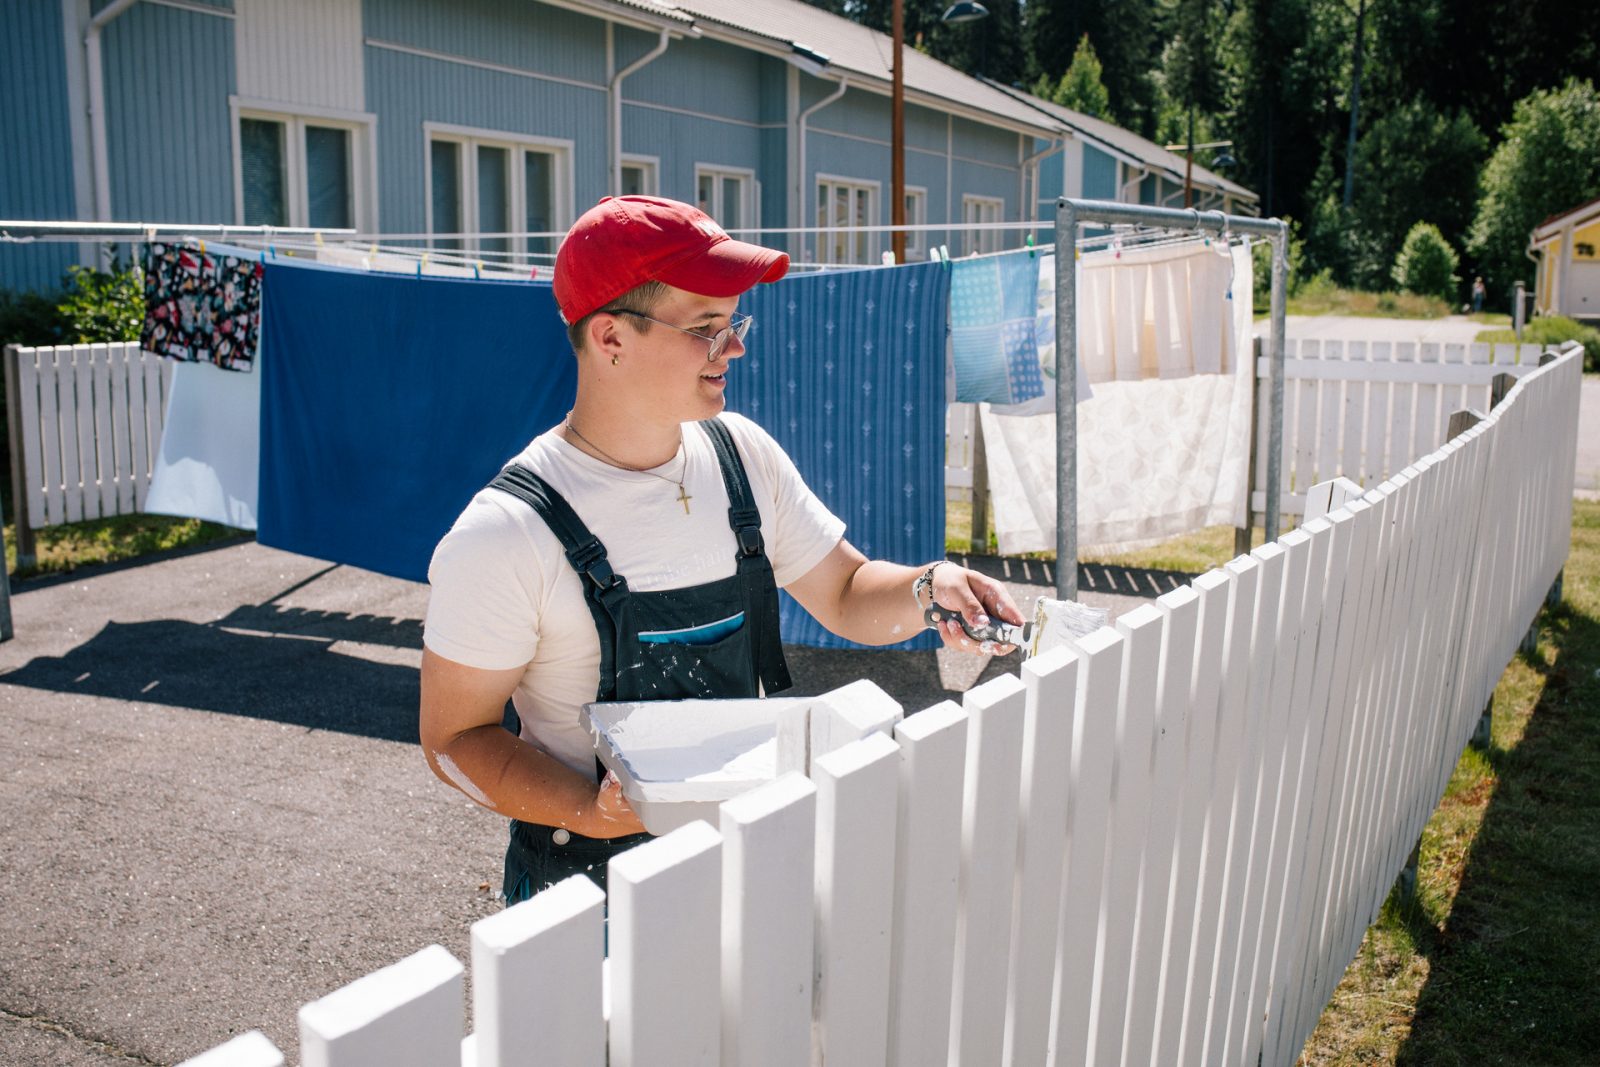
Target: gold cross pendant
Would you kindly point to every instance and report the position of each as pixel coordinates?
(684, 498)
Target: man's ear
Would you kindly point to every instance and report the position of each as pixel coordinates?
(604, 336)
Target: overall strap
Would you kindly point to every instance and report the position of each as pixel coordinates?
(754, 569)
(603, 590)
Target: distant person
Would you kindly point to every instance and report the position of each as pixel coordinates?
(1479, 291)
(635, 550)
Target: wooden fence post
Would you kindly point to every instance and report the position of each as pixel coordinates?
(1460, 422)
(980, 487)
(1242, 535)
(19, 490)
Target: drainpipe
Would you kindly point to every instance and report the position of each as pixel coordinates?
(99, 163)
(1033, 161)
(616, 109)
(800, 152)
(1132, 183)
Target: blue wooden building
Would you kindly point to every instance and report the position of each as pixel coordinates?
(452, 118)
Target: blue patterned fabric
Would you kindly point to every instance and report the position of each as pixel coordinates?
(846, 371)
(993, 301)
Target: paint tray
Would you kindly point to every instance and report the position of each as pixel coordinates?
(679, 759)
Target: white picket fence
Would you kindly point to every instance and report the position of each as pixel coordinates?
(1162, 846)
(85, 423)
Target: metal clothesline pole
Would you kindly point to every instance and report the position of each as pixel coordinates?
(1069, 214)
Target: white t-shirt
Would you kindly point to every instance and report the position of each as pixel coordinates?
(503, 594)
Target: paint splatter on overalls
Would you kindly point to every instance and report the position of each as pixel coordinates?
(719, 639)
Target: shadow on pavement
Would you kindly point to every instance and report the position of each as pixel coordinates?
(287, 677)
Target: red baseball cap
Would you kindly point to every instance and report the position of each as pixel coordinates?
(624, 241)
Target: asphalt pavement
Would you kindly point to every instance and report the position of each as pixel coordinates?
(216, 807)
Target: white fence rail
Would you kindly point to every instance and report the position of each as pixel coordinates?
(85, 423)
(1215, 798)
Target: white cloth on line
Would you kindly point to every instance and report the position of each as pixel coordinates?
(1156, 457)
(208, 466)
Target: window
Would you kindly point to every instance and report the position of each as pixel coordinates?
(302, 170)
(727, 195)
(847, 202)
(639, 176)
(483, 182)
(916, 215)
(981, 209)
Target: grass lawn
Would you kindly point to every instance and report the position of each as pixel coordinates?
(81, 544)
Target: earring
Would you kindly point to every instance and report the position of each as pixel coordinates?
(613, 361)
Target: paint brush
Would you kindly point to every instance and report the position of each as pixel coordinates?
(1055, 622)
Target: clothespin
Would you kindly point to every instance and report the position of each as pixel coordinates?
(318, 238)
(202, 246)
(477, 269)
(423, 262)
(1029, 243)
(533, 272)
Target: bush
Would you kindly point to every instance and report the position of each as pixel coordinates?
(1427, 264)
(1553, 330)
(30, 319)
(102, 305)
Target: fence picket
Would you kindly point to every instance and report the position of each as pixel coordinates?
(1051, 684)
(989, 833)
(927, 872)
(105, 451)
(1375, 465)
(146, 418)
(1452, 395)
(1184, 897)
(31, 410)
(406, 1015)
(122, 404)
(1425, 435)
(83, 419)
(1088, 809)
(666, 989)
(1141, 1014)
(1143, 631)
(1352, 419)
(1305, 422)
(1331, 407)
(856, 816)
(536, 979)
(768, 883)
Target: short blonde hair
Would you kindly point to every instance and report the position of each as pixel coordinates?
(642, 300)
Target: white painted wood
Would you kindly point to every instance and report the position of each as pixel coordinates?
(83, 417)
(1240, 855)
(1329, 495)
(1051, 682)
(1184, 888)
(1401, 369)
(1174, 684)
(768, 865)
(105, 451)
(536, 981)
(987, 887)
(1243, 579)
(857, 811)
(850, 713)
(1428, 435)
(406, 1015)
(1352, 417)
(146, 420)
(1375, 464)
(1305, 425)
(1088, 815)
(71, 472)
(28, 386)
(1143, 631)
(1330, 417)
(50, 430)
(250, 1049)
(666, 958)
(927, 872)
(121, 432)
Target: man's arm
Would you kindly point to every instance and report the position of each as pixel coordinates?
(467, 747)
(870, 601)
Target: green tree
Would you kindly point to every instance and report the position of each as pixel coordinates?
(1427, 264)
(1548, 161)
(1126, 35)
(1080, 88)
(1414, 163)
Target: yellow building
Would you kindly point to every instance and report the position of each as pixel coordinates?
(1567, 247)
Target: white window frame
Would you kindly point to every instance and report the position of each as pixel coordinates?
(748, 192)
(362, 127)
(470, 139)
(874, 191)
(916, 215)
(651, 165)
(974, 209)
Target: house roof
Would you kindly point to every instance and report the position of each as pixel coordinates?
(1128, 144)
(1559, 221)
(866, 56)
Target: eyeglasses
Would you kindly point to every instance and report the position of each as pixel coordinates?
(737, 327)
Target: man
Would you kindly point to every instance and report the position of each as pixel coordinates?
(634, 552)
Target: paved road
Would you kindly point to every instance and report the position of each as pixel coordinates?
(216, 810)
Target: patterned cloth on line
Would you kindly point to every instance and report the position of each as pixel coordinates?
(202, 307)
(992, 330)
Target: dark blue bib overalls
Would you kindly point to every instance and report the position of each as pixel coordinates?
(719, 639)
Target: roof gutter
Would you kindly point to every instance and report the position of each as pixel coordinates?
(98, 151)
(615, 92)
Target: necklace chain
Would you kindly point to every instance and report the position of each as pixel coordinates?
(683, 495)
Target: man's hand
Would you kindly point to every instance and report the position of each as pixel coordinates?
(612, 815)
(979, 599)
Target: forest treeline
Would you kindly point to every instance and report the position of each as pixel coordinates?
(1479, 117)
